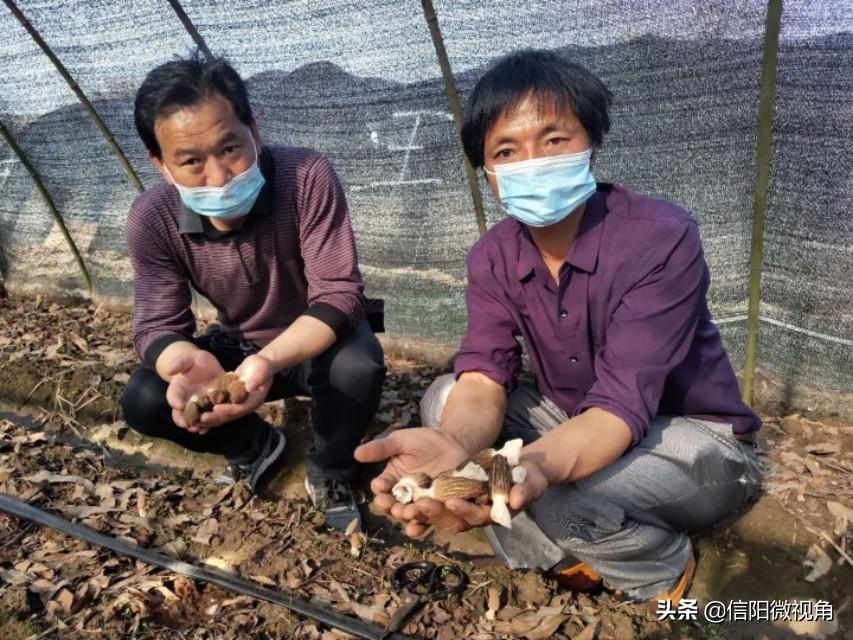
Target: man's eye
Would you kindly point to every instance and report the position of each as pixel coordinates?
(504, 153)
(189, 162)
(557, 141)
(230, 149)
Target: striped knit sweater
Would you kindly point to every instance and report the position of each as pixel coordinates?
(294, 254)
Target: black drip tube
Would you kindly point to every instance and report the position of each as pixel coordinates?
(322, 614)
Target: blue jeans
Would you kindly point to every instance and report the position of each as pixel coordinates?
(629, 521)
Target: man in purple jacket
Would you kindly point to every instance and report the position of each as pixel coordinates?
(263, 232)
(634, 430)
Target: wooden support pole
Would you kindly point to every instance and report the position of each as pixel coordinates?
(190, 27)
(764, 148)
(22, 157)
(84, 100)
(455, 109)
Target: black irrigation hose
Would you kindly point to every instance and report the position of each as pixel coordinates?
(325, 615)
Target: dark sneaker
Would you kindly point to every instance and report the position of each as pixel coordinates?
(261, 470)
(336, 500)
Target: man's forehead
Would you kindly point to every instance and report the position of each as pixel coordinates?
(211, 120)
(538, 108)
(532, 118)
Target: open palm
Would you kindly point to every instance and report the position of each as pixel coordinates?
(191, 374)
(408, 450)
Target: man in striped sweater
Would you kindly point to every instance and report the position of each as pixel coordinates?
(262, 232)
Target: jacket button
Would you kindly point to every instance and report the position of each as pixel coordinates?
(573, 359)
(563, 313)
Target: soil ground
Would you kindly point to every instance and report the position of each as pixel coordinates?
(63, 447)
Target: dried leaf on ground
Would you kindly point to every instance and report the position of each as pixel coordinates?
(815, 629)
(589, 631)
(62, 601)
(13, 577)
(220, 496)
(220, 563)
(818, 561)
(824, 448)
(840, 511)
(46, 477)
(508, 613)
(80, 343)
(528, 622)
(351, 527)
(547, 627)
(494, 602)
(372, 613)
(206, 531)
(85, 511)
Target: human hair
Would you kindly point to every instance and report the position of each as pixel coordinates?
(185, 82)
(546, 76)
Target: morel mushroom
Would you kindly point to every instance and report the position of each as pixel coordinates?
(511, 451)
(236, 388)
(192, 412)
(443, 487)
(472, 471)
(487, 477)
(228, 388)
(500, 483)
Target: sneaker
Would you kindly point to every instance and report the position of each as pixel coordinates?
(336, 500)
(261, 470)
(673, 595)
(579, 578)
(678, 590)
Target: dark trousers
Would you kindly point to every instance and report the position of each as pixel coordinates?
(344, 382)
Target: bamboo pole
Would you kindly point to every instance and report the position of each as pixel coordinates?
(190, 27)
(764, 147)
(455, 109)
(4, 132)
(34, 34)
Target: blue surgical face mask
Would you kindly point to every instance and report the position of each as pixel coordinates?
(544, 191)
(232, 200)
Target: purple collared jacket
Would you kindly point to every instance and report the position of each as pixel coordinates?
(627, 329)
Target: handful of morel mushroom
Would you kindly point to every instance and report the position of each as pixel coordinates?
(485, 478)
(227, 388)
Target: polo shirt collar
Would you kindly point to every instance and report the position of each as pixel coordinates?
(191, 222)
(528, 254)
(583, 253)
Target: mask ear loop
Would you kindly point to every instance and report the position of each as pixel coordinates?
(255, 147)
(169, 173)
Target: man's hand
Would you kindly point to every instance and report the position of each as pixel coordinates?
(257, 373)
(408, 450)
(191, 374)
(534, 485)
(418, 450)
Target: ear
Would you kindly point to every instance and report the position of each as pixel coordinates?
(257, 136)
(158, 164)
